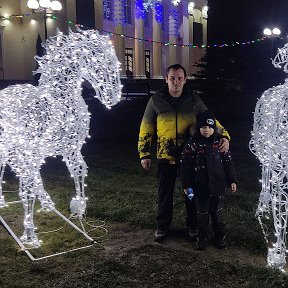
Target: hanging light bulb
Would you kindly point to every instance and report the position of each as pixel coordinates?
(205, 12)
(45, 4)
(176, 2)
(33, 4)
(56, 5)
(191, 7)
(267, 32)
(276, 31)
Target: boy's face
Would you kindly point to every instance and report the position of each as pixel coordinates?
(206, 131)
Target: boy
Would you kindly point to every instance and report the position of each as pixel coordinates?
(207, 171)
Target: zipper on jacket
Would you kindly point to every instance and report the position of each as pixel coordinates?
(177, 148)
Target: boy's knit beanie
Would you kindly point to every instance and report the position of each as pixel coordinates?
(206, 118)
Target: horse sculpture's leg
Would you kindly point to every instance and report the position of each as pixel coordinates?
(44, 198)
(265, 194)
(264, 206)
(2, 200)
(28, 196)
(78, 170)
(277, 254)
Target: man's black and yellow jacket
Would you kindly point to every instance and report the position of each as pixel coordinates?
(172, 117)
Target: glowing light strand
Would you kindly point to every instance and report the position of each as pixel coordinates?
(269, 143)
(173, 23)
(53, 119)
(158, 12)
(159, 19)
(119, 15)
(139, 9)
(150, 4)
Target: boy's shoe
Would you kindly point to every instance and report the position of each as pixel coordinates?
(201, 244)
(220, 243)
(192, 234)
(160, 235)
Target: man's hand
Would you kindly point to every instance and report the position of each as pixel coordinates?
(224, 145)
(146, 163)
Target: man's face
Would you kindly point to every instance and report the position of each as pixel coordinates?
(175, 80)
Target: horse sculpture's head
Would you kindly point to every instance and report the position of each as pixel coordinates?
(281, 59)
(83, 55)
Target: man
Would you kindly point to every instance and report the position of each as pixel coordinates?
(172, 110)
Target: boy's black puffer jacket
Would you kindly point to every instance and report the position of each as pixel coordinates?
(204, 168)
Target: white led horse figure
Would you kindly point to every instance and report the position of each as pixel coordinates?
(270, 144)
(52, 119)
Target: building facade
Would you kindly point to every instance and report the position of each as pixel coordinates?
(148, 35)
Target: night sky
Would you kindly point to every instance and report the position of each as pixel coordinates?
(245, 20)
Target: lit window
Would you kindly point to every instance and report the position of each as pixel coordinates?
(129, 62)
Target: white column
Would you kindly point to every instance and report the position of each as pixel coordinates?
(191, 49)
(186, 39)
(119, 41)
(98, 8)
(139, 48)
(71, 10)
(204, 23)
(157, 48)
(172, 37)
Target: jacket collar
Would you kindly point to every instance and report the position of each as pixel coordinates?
(163, 91)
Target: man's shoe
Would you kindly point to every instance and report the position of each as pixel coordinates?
(160, 235)
(192, 234)
(201, 244)
(220, 243)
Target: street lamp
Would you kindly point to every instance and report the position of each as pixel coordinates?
(272, 33)
(41, 7)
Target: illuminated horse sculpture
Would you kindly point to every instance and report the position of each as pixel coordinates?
(52, 119)
(270, 144)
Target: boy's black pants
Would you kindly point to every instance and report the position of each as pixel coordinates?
(209, 205)
(191, 213)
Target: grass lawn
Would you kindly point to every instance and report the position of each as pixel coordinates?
(122, 199)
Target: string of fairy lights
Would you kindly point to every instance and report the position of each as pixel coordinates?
(191, 45)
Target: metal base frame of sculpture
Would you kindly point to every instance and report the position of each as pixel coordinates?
(270, 144)
(52, 119)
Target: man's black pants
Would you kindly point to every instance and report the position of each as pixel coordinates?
(167, 174)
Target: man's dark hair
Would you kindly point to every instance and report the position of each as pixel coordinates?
(176, 67)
